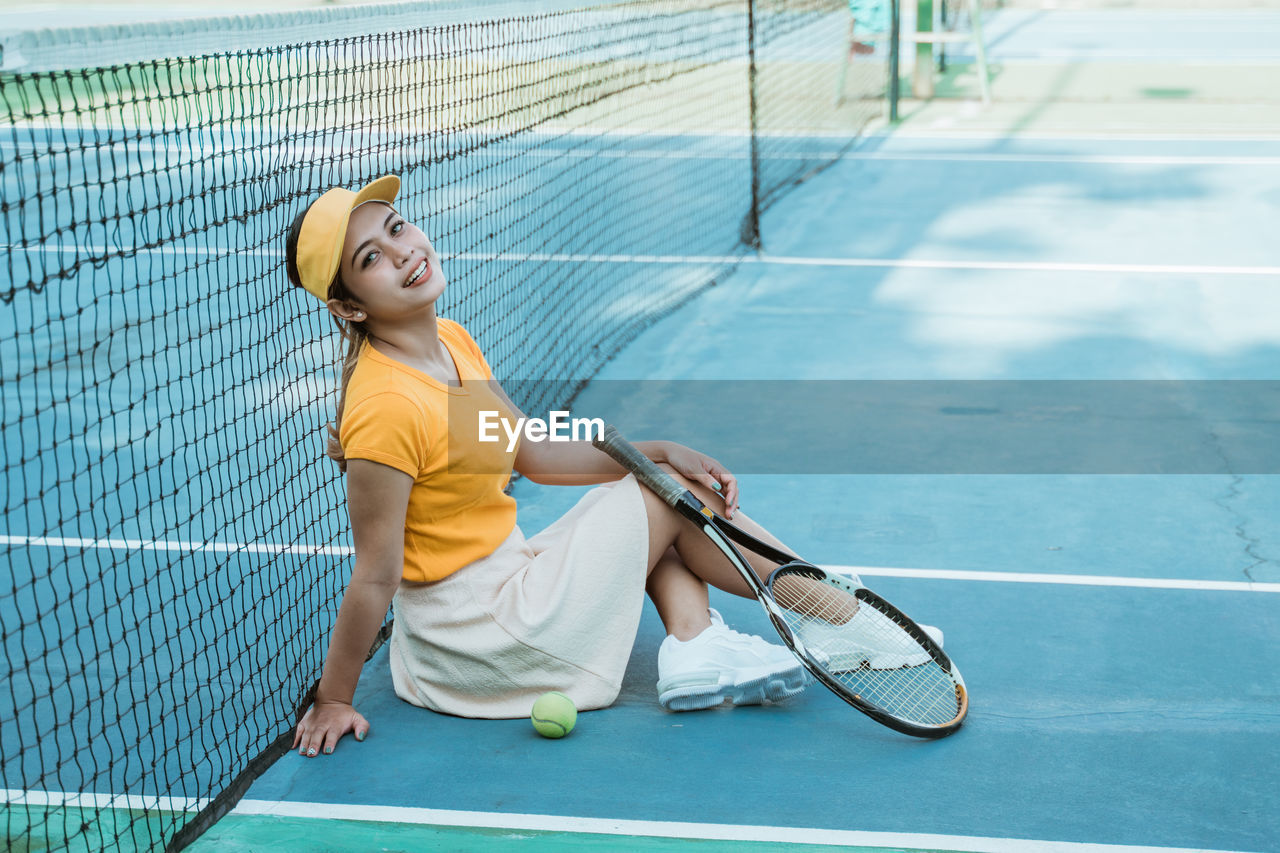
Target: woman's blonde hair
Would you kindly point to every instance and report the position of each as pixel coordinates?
(353, 335)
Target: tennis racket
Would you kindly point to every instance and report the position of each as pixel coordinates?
(861, 647)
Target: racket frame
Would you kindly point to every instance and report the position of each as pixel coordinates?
(724, 534)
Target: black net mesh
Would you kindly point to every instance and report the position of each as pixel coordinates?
(174, 542)
(810, 87)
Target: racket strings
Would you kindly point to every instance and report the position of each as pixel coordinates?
(924, 693)
(812, 599)
(865, 651)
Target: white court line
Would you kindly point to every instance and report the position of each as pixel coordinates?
(995, 136)
(869, 571)
(873, 156)
(682, 830)
(498, 153)
(594, 826)
(129, 252)
(136, 802)
(539, 257)
(477, 134)
(924, 157)
(1055, 56)
(1023, 266)
(876, 132)
(1100, 159)
(893, 263)
(783, 260)
(1049, 578)
(175, 545)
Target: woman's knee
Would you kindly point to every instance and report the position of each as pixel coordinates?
(664, 525)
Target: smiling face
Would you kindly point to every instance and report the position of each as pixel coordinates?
(388, 265)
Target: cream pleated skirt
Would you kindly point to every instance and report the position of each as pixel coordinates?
(558, 611)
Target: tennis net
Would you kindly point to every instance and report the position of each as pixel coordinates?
(173, 540)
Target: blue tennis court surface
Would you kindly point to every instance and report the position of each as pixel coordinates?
(1118, 633)
(1116, 625)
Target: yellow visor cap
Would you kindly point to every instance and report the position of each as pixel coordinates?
(325, 227)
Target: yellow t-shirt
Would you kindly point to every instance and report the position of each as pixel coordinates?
(399, 416)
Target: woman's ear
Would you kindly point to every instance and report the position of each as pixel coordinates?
(344, 310)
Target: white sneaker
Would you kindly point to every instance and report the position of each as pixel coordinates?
(775, 651)
(885, 647)
(935, 634)
(722, 665)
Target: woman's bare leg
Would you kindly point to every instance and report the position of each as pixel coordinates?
(667, 529)
(729, 667)
(680, 597)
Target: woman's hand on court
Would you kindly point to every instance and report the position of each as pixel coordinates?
(701, 468)
(323, 726)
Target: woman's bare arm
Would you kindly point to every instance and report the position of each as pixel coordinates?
(570, 463)
(579, 463)
(377, 500)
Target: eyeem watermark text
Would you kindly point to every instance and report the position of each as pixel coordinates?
(558, 427)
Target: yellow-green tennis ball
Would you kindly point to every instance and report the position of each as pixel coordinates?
(554, 714)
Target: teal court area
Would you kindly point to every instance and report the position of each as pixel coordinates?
(1117, 631)
(997, 273)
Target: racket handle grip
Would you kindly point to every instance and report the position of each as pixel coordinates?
(625, 454)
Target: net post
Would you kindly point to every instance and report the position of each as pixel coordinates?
(895, 54)
(751, 225)
(946, 24)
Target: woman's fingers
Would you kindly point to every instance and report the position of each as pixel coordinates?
(360, 726)
(728, 487)
(707, 471)
(320, 731)
(300, 732)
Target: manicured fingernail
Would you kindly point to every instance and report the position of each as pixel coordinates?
(328, 750)
(311, 751)
(359, 735)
